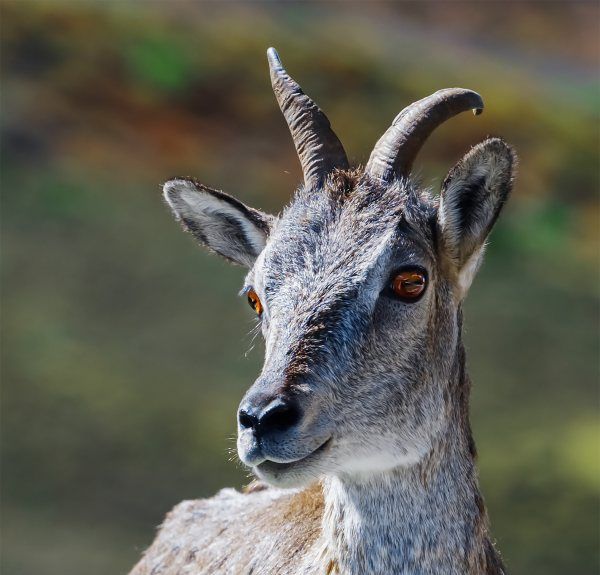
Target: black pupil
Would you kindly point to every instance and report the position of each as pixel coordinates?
(413, 284)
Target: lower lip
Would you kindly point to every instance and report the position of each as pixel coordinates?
(273, 467)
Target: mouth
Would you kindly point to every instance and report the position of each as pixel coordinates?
(273, 468)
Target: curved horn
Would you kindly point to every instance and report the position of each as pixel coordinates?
(319, 149)
(396, 150)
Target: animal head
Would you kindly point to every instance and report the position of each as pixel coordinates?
(358, 286)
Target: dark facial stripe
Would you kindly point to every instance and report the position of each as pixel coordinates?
(324, 331)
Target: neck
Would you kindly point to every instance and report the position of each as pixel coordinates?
(428, 518)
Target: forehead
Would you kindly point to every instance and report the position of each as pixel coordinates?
(346, 228)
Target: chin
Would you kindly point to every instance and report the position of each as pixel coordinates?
(298, 473)
(279, 475)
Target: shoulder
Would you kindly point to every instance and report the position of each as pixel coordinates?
(235, 532)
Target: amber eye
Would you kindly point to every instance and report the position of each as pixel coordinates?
(254, 302)
(409, 284)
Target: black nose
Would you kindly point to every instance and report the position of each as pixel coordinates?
(266, 417)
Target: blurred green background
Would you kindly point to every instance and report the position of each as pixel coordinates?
(125, 346)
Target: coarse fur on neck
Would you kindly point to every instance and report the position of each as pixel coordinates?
(423, 519)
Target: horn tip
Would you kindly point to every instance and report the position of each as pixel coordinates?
(478, 107)
(273, 57)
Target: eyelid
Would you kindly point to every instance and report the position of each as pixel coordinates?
(245, 290)
(406, 268)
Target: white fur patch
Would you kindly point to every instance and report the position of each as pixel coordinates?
(468, 270)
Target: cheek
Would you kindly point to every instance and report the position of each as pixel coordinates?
(400, 326)
(444, 332)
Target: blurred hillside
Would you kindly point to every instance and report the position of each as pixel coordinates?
(124, 346)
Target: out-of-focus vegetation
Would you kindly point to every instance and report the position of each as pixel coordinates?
(124, 346)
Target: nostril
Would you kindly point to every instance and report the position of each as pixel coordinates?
(280, 417)
(246, 420)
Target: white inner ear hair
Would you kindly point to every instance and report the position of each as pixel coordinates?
(201, 206)
(468, 271)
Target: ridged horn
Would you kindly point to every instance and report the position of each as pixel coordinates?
(319, 149)
(396, 150)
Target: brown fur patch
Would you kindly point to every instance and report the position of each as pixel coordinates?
(341, 183)
(307, 504)
(261, 531)
(301, 515)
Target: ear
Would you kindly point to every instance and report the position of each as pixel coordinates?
(218, 221)
(472, 196)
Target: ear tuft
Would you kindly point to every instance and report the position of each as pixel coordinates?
(472, 196)
(218, 221)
